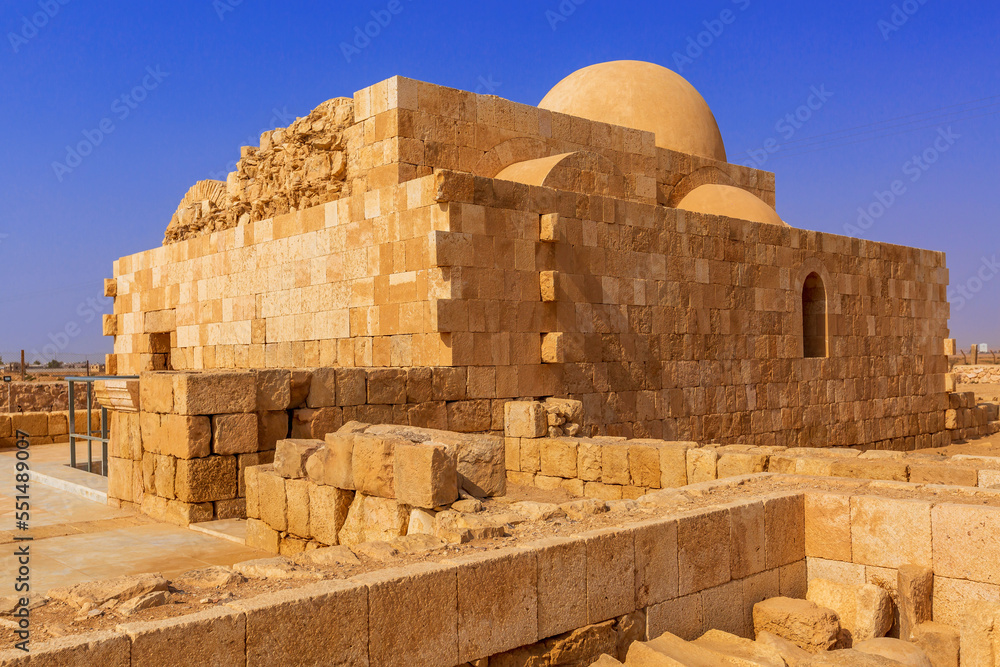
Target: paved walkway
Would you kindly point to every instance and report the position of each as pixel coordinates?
(77, 539)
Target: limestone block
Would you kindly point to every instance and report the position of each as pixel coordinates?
(328, 508)
(904, 653)
(757, 588)
(738, 649)
(497, 602)
(421, 522)
(332, 465)
(851, 658)
(615, 467)
(865, 611)
(914, 592)
(183, 514)
(888, 532)
(723, 606)
(941, 643)
(183, 437)
(322, 388)
(949, 474)
(448, 384)
(272, 499)
(234, 434)
(611, 573)
(352, 388)
(372, 519)
(206, 479)
(480, 462)
(644, 465)
(735, 464)
(244, 461)
(562, 584)
(156, 392)
(214, 392)
(747, 546)
(871, 468)
(276, 622)
(297, 507)
(290, 457)
(966, 542)
(828, 526)
(702, 465)
(235, 508)
(512, 454)
(309, 423)
(274, 389)
(703, 550)
(979, 644)
(106, 648)
(524, 419)
(215, 637)
(784, 530)
(588, 460)
(373, 464)
(387, 386)
(558, 457)
(682, 616)
(164, 476)
(413, 615)
(793, 580)
(790, 653)
(808, 626)
(425, 475)
(673, 465)
(271, 427)
(655, 562)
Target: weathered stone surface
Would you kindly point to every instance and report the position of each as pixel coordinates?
(271, 427)
(274, 389)
(789, 652)
(702, 465)
(966, 542)
(145, 601)
(413, 615)
(497, 602)
(579, 647)
(703, 550)
(183, 437)
(875, 535)
(655, 562)
(290, 457)
(865, 611)
(580, 509)
(109, 648)
(372, 519)
(562, 586)
(807, 625)
(206, 479)
(333, 465)
(328, 508)
(425, 475)
(684, 616)
(373, 465)
(902, 652)
(747, 547)
(272, 499)
(214, 392)
(851, 658)
(536, 511)
(156, 392)
(262, 537)
(334, 610)
(234, 434)
(784, 530)
(914, 590)
(336, 555)
(297, 507)
(828, 526)
(214, 638)
(421, 522)
(524, 419)
(611, 574)
(272, 568)
(96, 593)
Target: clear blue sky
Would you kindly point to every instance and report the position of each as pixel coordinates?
(217, 73)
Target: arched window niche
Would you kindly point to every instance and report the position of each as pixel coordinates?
(815, 327)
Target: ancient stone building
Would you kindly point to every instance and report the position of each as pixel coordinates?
(597, 247)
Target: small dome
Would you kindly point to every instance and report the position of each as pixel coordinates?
(731, 202)
(643, 96)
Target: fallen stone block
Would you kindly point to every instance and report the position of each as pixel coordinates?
(737, 649)
(372, 519)
(336, 555)
(290, 457)
(424, 475)
(146, 601)
(208, 577)
(96, 593)
(865, 611)
(789, 652)
(851, 658)
(332, 465)
(373, 465)
(941, 643)
(273, 568)
(805, 624)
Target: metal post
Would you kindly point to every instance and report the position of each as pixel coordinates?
(22, 365)
(975, 355)
(72, 426)
(104, 441)
(90, 443)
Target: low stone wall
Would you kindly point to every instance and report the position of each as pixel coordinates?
(43, 427)
(981, 374)
(38, 397)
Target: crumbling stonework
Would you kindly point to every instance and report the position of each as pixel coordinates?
(294, 168)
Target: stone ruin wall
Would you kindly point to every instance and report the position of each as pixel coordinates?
(38, 397)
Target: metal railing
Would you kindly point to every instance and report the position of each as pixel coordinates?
(102, 434)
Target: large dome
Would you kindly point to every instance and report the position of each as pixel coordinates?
(731, 202)
(643, 96)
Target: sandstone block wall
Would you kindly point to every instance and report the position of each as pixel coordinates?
(44, 427)
(977, 374)
(38, 397)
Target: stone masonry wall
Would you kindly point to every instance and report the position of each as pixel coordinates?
(44, 427)
(38, 397)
